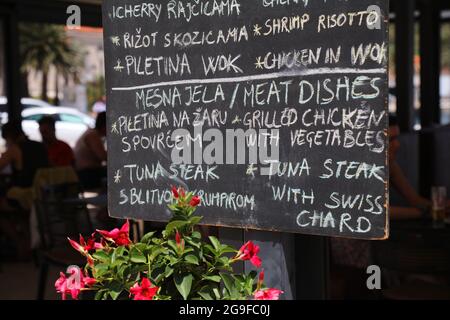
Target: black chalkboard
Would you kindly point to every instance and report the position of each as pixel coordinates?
(303, 84)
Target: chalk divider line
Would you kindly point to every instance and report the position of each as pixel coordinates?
(265, 76)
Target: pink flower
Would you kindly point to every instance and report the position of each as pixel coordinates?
(175, 192)
(249, 251)
(61, 285)
(84, 247)
(145, 291)
(195, 201)
(179, 240)
(90, 261)
(92, 245)
(261, 278)
(87, 281)
(268, 294)
(261, 275)
(119, 237)
(70, 285)
(78, 246)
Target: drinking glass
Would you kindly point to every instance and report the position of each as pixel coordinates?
(438, 199)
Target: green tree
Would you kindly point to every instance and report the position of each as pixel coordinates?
(445, 45)
(45, 45)
(95, 90)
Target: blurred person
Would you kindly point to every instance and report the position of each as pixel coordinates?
(24, 157)
(351, 257)
(60, 154)
(90, 154)
(100, 105)
(418, 206)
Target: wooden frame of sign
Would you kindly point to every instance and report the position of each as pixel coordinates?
(273, 112)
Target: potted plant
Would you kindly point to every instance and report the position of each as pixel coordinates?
(175, 264)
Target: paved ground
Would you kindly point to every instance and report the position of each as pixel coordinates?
(18, 281)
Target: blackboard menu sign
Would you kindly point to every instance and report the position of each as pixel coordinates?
(273, 111)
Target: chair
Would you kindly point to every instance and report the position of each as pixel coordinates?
(45, 177)
(408, 160)
(14, 223)
(434, 158)
(14, 230)
(58, 219)
(414, 257)
(20, 221)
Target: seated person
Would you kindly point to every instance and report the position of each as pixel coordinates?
(350, 256)
(418, 204)
(24, 157)
(60, 154)
(100, 105)
(90, 154)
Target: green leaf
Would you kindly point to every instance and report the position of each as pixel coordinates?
(122, 269)
(101, 256)
(190, 258)
(115, 289)
(161, 297)
(137, 256)
(184, 284)
(209, 248)
(249, 285)
(119, 262)
(100, 294)
(158, 273)
(193, 242)
(141, 246)
(195, 219)
(186, 250)
(227, 249)
(147, 237)
(172, 207)
(168, 272)
(189, 195)
(206, 293)
(137, 268)
(212, 278)
(216, 244)
(224, 261)
(173, 245)
(216, 293)
(177, 224)
(155, 252)
(229, 283)
(118, 252)
(114, 294)
(208, 264)
(173, 260)
(100, 269)
(157, 240)
(239, 277)
(196, 235)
